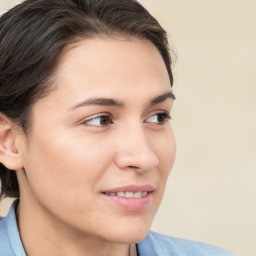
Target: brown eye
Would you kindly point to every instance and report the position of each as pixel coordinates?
(104, 120)
(99, 121)
(159, 118)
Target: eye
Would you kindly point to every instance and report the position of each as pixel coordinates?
(159, 118)
(99, 121)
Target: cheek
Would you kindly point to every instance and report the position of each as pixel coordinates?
(64, 168)
(166, 151)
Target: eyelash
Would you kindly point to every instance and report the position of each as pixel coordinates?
(166, 117)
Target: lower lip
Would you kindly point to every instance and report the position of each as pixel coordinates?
(130, 204)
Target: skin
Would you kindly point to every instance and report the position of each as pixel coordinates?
(69, 158)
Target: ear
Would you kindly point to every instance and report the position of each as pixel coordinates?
(10, 156)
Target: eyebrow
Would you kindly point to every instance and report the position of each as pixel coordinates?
(117, 103)
(161, 98)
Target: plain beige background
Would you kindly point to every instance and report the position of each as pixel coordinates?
(211, 191)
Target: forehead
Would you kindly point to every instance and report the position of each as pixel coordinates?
(112, 60)
(109, 68)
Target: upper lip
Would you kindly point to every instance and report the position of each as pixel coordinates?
(131, 188)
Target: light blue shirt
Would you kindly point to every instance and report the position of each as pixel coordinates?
(153, 245)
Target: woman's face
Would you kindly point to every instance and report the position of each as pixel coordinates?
(101, 146)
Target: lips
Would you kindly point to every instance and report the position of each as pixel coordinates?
(131, 198)
(128, 194)
(131, 188)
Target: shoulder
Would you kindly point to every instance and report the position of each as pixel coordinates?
(5, 244)
(10, 242)
(158, 245)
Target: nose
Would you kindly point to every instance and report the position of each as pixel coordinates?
(134, 151)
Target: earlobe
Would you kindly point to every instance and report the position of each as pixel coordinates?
(9, 154)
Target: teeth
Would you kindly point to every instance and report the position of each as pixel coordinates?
(137, 194)
(128, 194)
(144, 193)
(120, 194)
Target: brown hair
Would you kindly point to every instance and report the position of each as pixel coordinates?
(32, 37)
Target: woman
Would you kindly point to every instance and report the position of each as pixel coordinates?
(86, 145)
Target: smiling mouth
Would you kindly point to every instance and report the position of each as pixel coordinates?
(130, 198)
(128, 194)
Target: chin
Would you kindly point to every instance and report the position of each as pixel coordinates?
(130, 233)
(135, 237)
